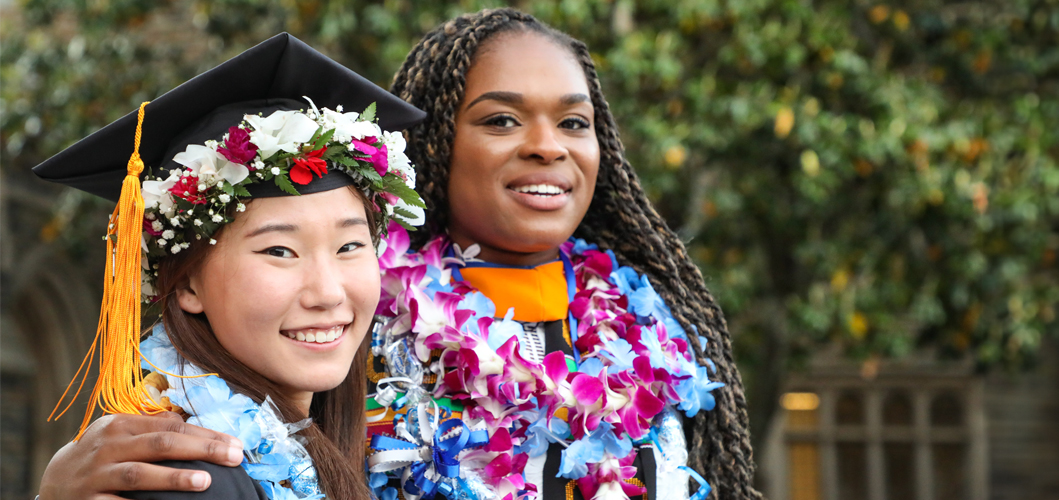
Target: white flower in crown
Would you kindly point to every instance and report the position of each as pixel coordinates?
(397, 160)
(280, 131)
(347, 127)
(210, 166)
(156, 193)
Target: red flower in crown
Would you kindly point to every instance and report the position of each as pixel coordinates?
(304, 168)
(188, 188)
(237, 147)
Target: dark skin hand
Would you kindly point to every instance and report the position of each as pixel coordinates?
(111, 455)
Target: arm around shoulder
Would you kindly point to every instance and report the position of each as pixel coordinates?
(226, 483)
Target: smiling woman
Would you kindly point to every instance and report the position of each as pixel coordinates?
(257, 237)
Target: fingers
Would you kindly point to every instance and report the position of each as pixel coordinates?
(135, 476)
(171, 445)
(165, 422)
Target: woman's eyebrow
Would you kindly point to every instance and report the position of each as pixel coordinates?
(353, 221)
(498, 95)
(571, 99)
(269, 228)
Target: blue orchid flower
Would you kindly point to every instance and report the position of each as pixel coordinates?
(541, 434)
(619, 352)
(578, 455)
(220, 409)
(591, 366)
(626, 279)
(695, 393)
(159, 350)
(581, 246)
(501, 331)
(479, 303)
(650, 340)
(644, 301)
(617, 447)
(272, 467)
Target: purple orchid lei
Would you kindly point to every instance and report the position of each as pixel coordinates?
(634, 361)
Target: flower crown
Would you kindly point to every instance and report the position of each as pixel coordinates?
(285, 148)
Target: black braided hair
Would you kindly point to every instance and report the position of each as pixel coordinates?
(620, 218)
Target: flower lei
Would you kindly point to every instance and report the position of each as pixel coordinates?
(634, 355)
(284, 148)
(272, 454)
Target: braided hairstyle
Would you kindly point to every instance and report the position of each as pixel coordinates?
(433, 78)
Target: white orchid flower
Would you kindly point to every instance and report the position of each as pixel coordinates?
(156, 193)
(280, 131)
(395, 146)
(209, 165)
(347, 127)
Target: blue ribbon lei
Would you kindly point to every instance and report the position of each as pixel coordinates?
(430, 469)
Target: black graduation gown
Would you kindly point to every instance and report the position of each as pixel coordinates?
(228, 483)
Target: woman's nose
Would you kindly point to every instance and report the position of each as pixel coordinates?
(542, 144)
(323, 288)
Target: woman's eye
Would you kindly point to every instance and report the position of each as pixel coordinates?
(576, 123)
(349, 247)
(283, 252)
(502, 121)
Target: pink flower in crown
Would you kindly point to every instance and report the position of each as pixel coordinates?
(374, 150)
(238, 148)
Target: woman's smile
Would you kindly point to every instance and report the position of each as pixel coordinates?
(320, 336)
(545, 191)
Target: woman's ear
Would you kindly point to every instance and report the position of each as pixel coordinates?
(189, 298)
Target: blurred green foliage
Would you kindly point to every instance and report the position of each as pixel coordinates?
(877, 176)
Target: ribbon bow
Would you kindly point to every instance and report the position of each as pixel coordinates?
(429, 457)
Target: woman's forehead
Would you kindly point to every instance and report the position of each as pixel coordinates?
(528, 63)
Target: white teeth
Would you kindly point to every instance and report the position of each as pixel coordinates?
(539, 189)
(317, 336)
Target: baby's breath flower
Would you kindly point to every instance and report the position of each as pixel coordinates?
(175, 249)
(198, 222)
(161, 242)
(275, 170)
(212, 144)
(224, 198)
(213, 241)
(157, 225)
(168, 234)
(217, 218)
(240, 208)
(202, 187)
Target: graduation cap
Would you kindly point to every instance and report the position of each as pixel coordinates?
(272, 79)
(273, 75)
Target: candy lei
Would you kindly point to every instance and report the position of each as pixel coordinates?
(634, 361)
(272, 454)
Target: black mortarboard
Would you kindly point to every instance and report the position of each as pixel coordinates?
(273, 75)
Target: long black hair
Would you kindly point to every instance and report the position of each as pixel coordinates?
(620, 218)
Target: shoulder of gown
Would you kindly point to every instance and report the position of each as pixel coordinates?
(227, 483)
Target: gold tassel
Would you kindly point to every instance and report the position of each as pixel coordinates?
(119, 388)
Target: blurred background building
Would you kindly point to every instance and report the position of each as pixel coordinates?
(870, 188)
